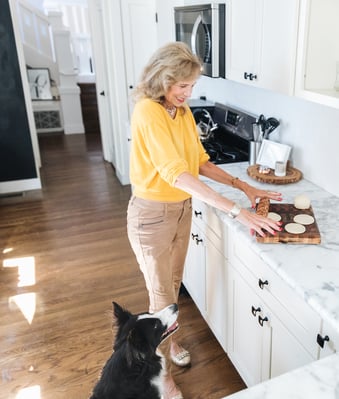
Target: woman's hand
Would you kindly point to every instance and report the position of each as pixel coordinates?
(254, 193)
(258, 223)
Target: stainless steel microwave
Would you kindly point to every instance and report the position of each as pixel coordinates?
(202, 27)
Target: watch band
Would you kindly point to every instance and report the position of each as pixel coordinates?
(234, 212)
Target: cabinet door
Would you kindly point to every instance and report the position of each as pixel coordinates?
(279, 39)
(243, 38)
(262, 42)
(287, 353)
(216, 292)
(248, 341)
(194, 273)
(140, 37)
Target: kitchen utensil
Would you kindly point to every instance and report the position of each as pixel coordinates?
(262, 124)
(270, 125)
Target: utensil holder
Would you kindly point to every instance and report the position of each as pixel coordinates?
(253, 151)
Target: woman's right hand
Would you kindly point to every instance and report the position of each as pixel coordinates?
(258, 223)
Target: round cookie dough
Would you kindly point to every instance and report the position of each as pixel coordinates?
(295, 228)
(274, 216)
(302, 218)
(302, 202)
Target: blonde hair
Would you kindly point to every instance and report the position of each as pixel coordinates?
(170, 64)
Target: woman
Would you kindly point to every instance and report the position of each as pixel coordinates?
(166, 160)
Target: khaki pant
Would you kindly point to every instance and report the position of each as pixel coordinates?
(159, 235)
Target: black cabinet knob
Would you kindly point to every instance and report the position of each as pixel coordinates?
(196, 213)
(255, 310)
(262, 283)
(102, 93)
(261, 320)
(321, 340)
(194, 236)
(198, 240)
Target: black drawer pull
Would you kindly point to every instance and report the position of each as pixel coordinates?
(321, 340)
(255, 310)
(261, 320)
(262, 283)
(196, 213)
(250, 76)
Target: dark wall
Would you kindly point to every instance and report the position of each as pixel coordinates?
(16, 151)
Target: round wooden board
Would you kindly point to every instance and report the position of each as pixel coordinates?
(292, 175)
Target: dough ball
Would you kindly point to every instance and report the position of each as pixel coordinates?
(302, 202)
(303, 219)
(274, 216)
(295, 228)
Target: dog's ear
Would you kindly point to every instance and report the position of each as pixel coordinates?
(121, 315)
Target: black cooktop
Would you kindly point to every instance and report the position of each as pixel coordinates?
(229, 141)
(224, 153)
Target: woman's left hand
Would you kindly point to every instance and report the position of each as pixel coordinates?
(254, 193)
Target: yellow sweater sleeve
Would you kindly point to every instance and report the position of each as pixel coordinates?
(162, 148)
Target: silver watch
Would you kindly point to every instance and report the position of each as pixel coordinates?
(234, 212)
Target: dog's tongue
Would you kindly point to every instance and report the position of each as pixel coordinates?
(173, 327)
(170, 329)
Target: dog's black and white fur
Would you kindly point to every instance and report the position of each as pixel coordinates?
(135, 369)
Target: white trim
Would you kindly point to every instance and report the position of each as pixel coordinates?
(16, 186)
(35, 183)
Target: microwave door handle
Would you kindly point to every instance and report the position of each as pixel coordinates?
(194, 34)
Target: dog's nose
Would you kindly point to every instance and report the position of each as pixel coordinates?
(174, 307)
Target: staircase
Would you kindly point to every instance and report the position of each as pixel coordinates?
(89, 107)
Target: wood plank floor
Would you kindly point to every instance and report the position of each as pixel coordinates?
(65, 257)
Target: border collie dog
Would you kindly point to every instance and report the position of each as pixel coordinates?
(135, 368)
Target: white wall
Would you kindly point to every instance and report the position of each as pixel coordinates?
(311, 129)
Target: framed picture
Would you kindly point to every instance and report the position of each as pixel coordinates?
(39, 83)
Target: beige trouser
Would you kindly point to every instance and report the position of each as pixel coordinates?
(159, 235)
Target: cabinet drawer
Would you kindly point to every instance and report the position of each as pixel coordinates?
(302, 321)
(205, 218)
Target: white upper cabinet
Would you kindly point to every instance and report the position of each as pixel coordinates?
(317, 77)
(261, 43)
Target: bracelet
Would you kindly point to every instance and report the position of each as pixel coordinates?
(233, 180)
(234, 212)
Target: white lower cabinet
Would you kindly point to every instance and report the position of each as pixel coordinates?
(248, 341)
(194, 273)
(270, 330)
(216, 292)
(263, 325)
(205, 275)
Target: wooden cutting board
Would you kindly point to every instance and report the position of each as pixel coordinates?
(287, 213)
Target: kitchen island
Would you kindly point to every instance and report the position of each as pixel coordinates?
(311, 271)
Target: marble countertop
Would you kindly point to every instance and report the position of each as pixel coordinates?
(312, 271)
(318, 380)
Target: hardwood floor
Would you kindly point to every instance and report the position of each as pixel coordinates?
(65, 257)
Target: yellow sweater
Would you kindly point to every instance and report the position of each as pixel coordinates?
(163, 148)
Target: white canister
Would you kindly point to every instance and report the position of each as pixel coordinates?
(280, 169)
